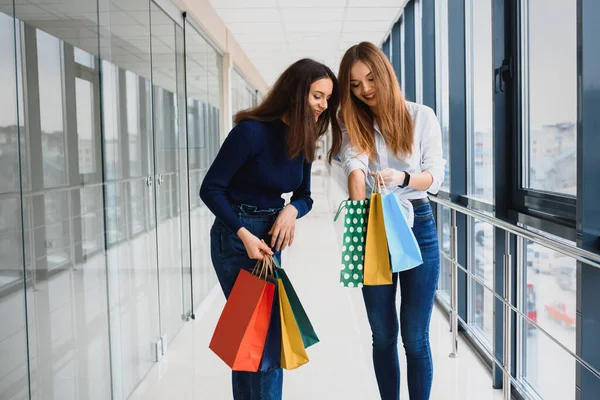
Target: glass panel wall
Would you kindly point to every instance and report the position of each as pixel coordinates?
(14, 372)
(68, 319)
(129, 191)
(94, 197)
(203, 65)
(171, 169)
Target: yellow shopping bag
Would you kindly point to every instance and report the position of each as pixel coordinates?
(293, 353)
(378, 270)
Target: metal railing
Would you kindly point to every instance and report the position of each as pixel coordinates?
(510, 229)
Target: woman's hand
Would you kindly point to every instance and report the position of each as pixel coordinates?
(390, 176)
(255, 247)
(282, 232)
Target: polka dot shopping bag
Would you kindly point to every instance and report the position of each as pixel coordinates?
(353, 246)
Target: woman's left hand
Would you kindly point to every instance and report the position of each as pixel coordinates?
(282, 232)
(390, 176)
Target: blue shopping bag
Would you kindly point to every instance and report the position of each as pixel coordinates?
(405, 252)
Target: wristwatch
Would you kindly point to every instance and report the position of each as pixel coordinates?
(406, 180)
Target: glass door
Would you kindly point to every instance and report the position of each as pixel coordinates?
(130, 193)
(171, 189)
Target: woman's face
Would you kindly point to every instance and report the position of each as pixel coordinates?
(362, 83)
(319, 94)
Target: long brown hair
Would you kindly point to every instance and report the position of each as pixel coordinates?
(289, 97)
(393, 117)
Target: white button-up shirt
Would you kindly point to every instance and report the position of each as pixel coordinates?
(426, 156)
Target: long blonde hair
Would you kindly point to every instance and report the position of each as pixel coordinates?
(393, 117)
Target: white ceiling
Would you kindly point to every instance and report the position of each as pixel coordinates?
(275, 33)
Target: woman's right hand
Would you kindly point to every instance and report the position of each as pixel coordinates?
(255, 247)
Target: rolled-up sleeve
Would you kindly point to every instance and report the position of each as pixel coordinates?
(351, 159)
(432, 159)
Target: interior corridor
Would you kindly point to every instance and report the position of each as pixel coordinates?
(340, 365)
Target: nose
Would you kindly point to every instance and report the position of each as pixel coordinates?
(323, 104)
(366, 88)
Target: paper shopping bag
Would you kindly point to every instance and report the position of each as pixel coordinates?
(293, 353)
(240, 335)
(271, 358)
(405, 252)
(309, 336)
(377, 259)
(353, 242)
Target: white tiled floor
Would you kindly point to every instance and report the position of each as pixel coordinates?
(340, 365)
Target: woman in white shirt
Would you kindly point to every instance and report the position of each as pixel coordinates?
(402, 142)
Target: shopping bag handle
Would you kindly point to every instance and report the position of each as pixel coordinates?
(264, 268)
(378, 179)
(340, 208)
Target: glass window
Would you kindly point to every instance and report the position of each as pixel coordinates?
(550, 110)
(548, 297)
(481, 265)
(243, 95)
(480, 125)
(442, 82)
(444, 230)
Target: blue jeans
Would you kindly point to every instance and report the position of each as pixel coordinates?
(417, 288)
(229, 257)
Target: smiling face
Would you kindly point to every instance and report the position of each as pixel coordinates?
(318, 96)
(362, 83)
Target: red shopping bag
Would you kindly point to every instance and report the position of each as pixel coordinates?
(240, 335)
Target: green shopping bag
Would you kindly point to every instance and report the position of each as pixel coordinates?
(309, 336)
(353, 246)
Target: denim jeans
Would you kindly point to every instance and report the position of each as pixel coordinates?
(229, 257)
(417, 289)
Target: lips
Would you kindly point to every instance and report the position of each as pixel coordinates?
(369, 96)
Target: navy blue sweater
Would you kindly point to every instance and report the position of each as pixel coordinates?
(253, 168)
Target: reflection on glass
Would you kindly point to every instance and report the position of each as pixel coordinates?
(110, 109)
(50, 73)
(133, 123)
(481, 306)
(550, 111)
(58, 249)
(92, 234)
(549, 299)
(442, 82)
(84, 58)
(85, 126)
(480, 100)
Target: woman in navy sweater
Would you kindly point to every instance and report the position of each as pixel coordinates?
(268, 153)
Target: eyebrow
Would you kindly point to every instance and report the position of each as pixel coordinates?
(318, 91)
